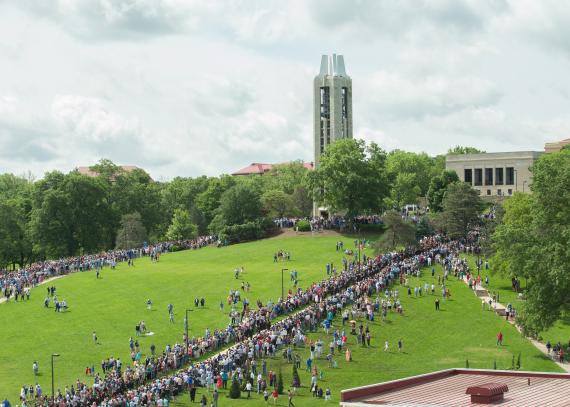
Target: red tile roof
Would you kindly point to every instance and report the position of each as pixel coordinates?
(447, 388)
(262, 168)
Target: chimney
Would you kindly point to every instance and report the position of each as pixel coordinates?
(487, 393)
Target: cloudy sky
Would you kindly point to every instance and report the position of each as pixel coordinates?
(183, 87)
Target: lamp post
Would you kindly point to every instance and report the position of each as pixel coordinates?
(53, 355)
(282, 290)
(186, 329)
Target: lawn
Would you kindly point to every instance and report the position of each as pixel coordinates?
(114, 304)
(432, 340)
(560, 332)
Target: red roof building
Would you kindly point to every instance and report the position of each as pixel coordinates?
(87, 170)
(262, 168)
(466, 388)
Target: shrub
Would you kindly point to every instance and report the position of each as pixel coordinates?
(303, 226)
(466, 363)
(280, 382)
(495, 364)
(235, 391)
(257, 229)
(519, 361)
(175, 248)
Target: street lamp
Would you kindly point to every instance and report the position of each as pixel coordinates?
(186, 329)
(53, 355)
(282, 290)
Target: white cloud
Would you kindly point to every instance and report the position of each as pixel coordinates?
(190, 87)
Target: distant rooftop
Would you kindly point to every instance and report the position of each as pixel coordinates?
(448, 388)
(262, 168)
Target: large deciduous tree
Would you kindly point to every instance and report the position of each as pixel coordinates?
(181, 227)
(240, 204)
(533, 241)
(277, 203)
(351, 178)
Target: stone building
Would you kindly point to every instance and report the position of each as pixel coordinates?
(494, 174)
(332, 104)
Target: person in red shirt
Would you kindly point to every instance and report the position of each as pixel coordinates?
(500, 338)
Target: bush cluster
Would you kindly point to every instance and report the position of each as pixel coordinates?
(257, 229)
(303, 226)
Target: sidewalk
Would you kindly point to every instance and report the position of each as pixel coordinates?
(501, 311)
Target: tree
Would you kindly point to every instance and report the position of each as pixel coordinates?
(424, 228)
(418, 166)
(286, 177)
(240, 204)
(397, 233)
(209, 200)
(462, 206)
(404, 190)
(539, 227)
(132, 232)
(181, 227)
(277, 203)
(350, 178)
(457, 150)
(437, 188)
(16, 245)
(302, 202)
(235, 391)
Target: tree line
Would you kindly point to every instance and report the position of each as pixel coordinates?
(70, 214)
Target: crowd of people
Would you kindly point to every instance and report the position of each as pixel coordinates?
(17, 283)
(253, 336)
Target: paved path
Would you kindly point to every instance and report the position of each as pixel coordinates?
(500, 310)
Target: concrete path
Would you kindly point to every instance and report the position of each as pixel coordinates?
(501, 311)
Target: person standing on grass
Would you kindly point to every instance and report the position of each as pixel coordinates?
(400, 345)
(500, 339)
(437, 304)
(290, 398)
(94, 337)
(275, 395)
(35, 368)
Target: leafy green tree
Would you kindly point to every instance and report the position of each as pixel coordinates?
(132, 232)
(240, 204)
(539, 228)
(209, 200)
(437, 188)
(458, 150)
(404, 190)
(350, 178)
(462, 206)
(418, 166)
(16, 245)
(181, 227)
(277, 203)
(424, 228)
(397, 233)
(286, 177)
(302, 202)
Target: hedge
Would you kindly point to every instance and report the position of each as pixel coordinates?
(371, 227)
(257, 229)
(303, 226)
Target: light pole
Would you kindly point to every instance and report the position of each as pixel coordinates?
(282, 290)
(53, 355)
(186, 329)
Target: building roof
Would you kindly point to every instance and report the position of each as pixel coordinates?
(556, 146)
(448, 388)
(262, 168)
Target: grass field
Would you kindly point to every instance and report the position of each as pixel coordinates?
(113, 305)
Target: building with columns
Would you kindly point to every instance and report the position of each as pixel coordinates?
(494, 174)
(332, 104)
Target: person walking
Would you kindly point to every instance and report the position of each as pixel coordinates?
(500, 339)
(290, 398)
(437, 304)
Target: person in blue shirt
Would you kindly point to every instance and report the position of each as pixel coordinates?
(6, 403)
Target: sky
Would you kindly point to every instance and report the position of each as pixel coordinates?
(187, 88)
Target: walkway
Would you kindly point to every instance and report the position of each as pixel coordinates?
(501, 311)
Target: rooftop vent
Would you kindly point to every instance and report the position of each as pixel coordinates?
(487, 393)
